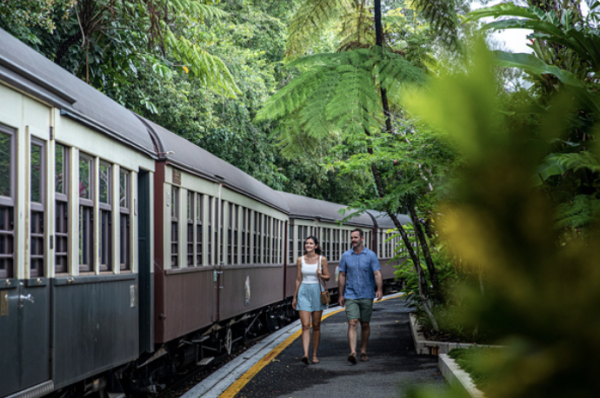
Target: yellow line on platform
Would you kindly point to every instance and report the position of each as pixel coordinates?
(253, 371)
(242, 381)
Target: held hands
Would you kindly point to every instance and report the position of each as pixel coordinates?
(378, 295)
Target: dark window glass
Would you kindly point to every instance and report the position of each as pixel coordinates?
(105, 240)
(86, 238)
(59, 169)
(85, 176)
(6, 242)
(61, 222)
(37, 227)
(124, 241)
(86, 213)
(124, 220)
(6, 164)
(124, 189)
(190, 229)
(61, 246)
(209, 231)
(36, 173)
(174, 227)
(104, 182)
(199, 235)
(291, 243)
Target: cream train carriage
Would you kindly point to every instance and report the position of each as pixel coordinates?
(75, 198)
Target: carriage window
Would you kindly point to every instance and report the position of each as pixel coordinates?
(210, 221)
(267, 240)
(230, 234)
(248, 245)
(174, 227)
(104, 184)
(7, 230)
(291, 243)
(86, 213)
(36, 249)
(235, 233)
(199, 217)
(61, 224)
(243, 230)
(190, 229)
(124, 215)
(255, 233)
(221, 227)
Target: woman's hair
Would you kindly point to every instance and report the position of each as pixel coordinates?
(318, 248)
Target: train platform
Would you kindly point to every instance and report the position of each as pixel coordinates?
(272, 368)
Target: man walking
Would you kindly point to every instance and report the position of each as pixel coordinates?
(359, 274)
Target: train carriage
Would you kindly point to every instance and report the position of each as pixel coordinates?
(385, 241)
(319, 218)
(220, 241)
(75, 180)
(125, 250)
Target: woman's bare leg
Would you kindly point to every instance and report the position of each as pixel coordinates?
(316, 322)
(305, 320)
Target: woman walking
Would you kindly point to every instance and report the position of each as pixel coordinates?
(307, 297)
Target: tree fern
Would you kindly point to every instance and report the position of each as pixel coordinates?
(337, 92)
(443, 17)
(209, 68)
(311, 19)
(578, 213)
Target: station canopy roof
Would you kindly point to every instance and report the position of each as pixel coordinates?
(31, 72)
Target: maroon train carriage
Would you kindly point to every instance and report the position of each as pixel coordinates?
(383, 243)
(319, 218)
(219, 253)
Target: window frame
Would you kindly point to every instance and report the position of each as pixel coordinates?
(105, 212)
(8, 202)
(37, 212)
(86, 209)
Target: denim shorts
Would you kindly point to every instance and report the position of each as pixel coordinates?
(309, 298)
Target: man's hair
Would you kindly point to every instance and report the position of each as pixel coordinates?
(360, 232)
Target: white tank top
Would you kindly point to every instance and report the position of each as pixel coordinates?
(309, 272)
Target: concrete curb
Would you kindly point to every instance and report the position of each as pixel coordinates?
(214, 385)
(430, 347)
(458, 377)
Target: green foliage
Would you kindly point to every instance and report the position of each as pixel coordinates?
(472, 360)
(502, 229)
(338, 92)
(311, 19)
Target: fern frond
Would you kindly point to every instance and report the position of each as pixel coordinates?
(208, 68)
(577, 161)
(310, 20)
(442, 16)
(196, 9)
(577, 214)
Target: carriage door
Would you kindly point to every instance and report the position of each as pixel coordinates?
(25, 298)
(34, 291)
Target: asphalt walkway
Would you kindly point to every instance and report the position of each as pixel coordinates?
(274, 370)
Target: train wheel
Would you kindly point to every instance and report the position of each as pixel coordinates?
(228, 341)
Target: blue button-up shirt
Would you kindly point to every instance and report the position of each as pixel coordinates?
(359, 268)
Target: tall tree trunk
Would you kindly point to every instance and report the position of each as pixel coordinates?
(423, 289)
(437, 291)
